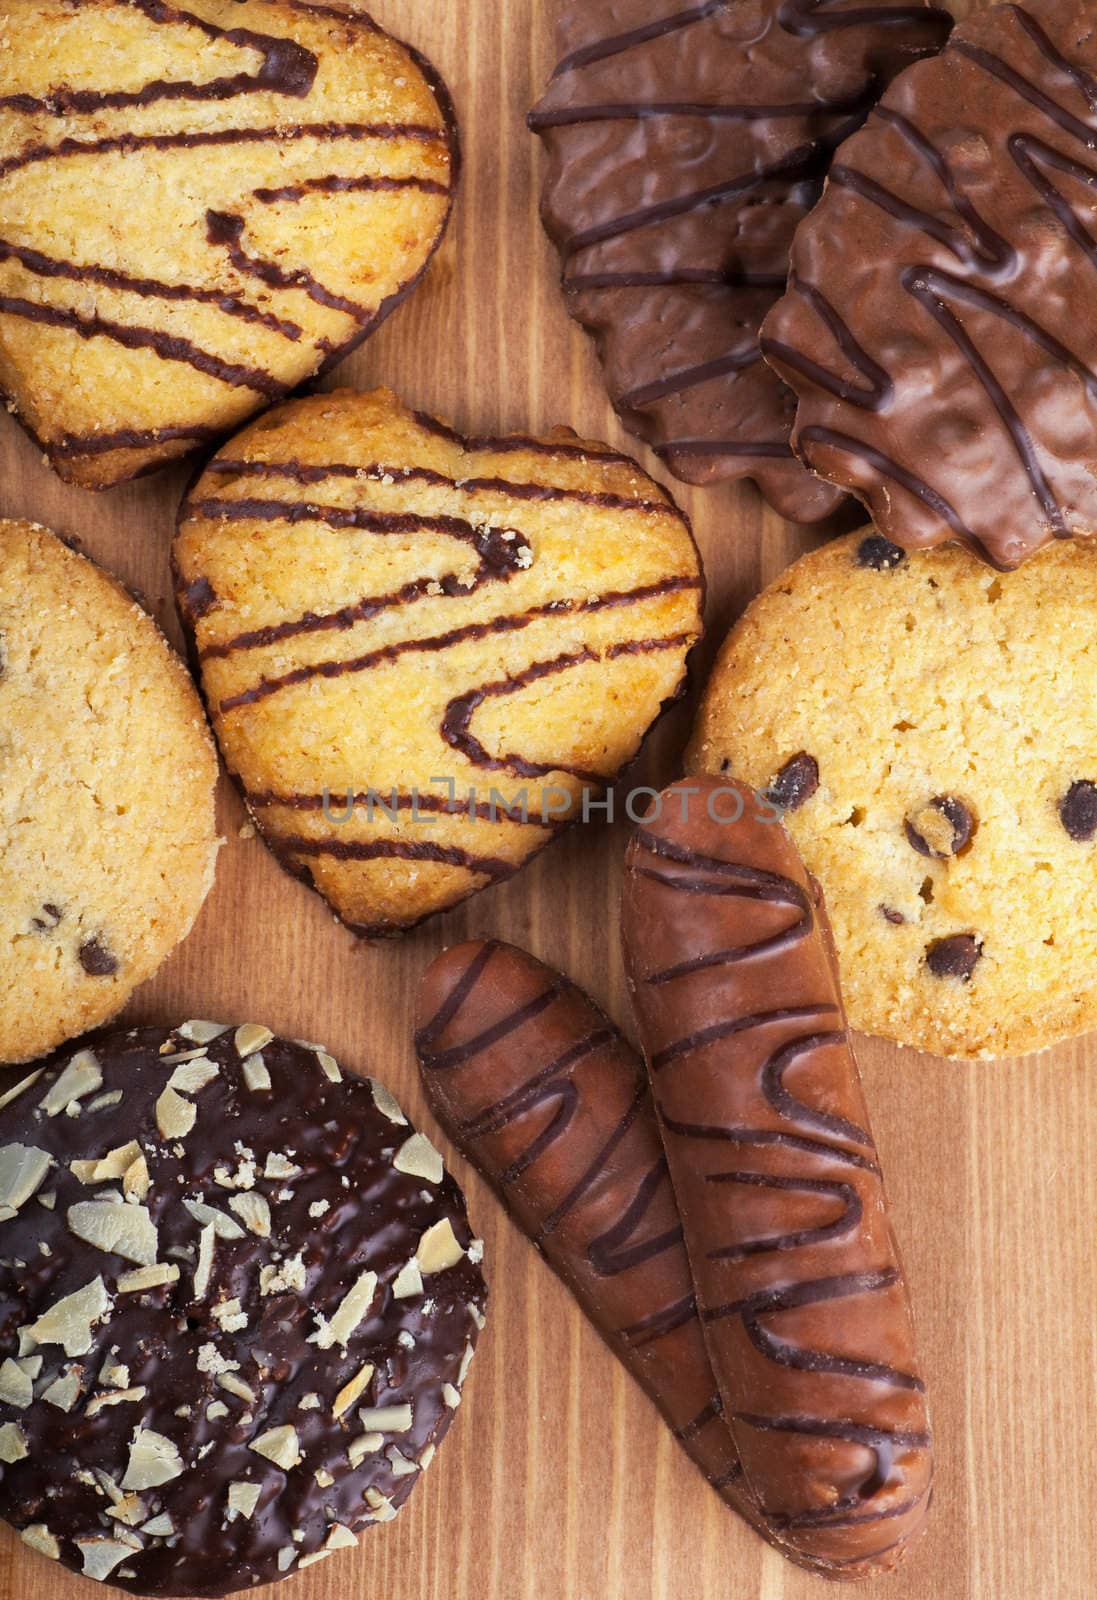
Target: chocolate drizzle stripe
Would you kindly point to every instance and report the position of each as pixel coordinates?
(657, 1324)
(307, 472)
(713, 1412)
(691, 378)
(803, 17)
(844, 1224)
(762, 448)
(388, 849)
(499, 1114)
(458, 1055)
(476, 443)
(617, 43)
(578, 282)
(508, 623)
(717, 1031)
(636, 111)
(80, 444)
(226, 229)
(361, 183)
(482, 810)
(887, 465)
(430, 1031)
(765, 1137)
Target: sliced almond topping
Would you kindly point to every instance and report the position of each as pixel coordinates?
(216, 1409)
(81, 1077)
(256, 1072)
(115, 1376)
(280, 1166)
(69, 1321)
(234, 1385)
(65, 1391)
(382, 1508)
(191, 1076)
(135, 1180)
(279, 1445)
(408, 1281)
(419, 1157)
(462, 1371)
(202, 1032)
(253, 1211)
(349, 1313)
(311, 1560)
(366, 1444)
(16, 1388)
(13, 1444)
(153, 1277)
(222, 1223)
(250, 1037)
(351, 1391)
(101, 1556)
(438, 1248)
(124, 1230)
(329, 1066)
(175, 1117)
(451, 1396)
(206, 1242)
(323, 1477)
(339, 1537)
(401, 1466)
(102, 1101)
(20, 1088)
(153, 1460)
(22, 1168)
(386, 1419)
(113, 1397)
(386, 1104)
(426, 1456)
(286, 1557)
(161, 1527)
(115, 1164)
(41, 1539)
(130, 1509)
(243, 1499)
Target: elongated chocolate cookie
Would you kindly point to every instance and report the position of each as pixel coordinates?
(201, 205)
(685, 143)
(423, 653)
(798, 1277)
(939, 328)
(539, 1090)
(238, 1300)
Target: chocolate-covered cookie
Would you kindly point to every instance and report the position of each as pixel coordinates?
(939, 327)
(200, 207)
(423, 653)
(685, 143)
(238, 1298)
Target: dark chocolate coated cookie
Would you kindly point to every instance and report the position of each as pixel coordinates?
(238, 1298)
(685, 143)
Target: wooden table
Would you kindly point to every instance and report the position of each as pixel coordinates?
(558, 1481)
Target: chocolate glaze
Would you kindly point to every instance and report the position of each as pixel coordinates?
(798, 1279)
(286, 68)
(685, 143)
(969, 196)
(539, 1090)
(338, 1206)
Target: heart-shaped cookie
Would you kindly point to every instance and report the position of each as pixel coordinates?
(199, 209)
(422, 652)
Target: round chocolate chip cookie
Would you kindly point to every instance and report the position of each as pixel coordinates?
(930, 729)
(238, 1299)
(107, 774)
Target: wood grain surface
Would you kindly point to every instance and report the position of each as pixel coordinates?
(558, 1482)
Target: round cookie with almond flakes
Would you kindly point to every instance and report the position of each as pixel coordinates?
(238, 1299)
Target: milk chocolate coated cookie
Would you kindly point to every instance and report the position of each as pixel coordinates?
(107, 774)
(201, 206)
(929, 728)
(238, 1298)
(421, 651)
(799, 1284)
(939, 329)
(685, 144)
(539, 1090)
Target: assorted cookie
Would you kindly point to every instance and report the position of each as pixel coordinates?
(928, 728)
(937, 328)
(199, 209)
(684, 146)
(107, 772)
(799, 1284)
(238, 1299)
(422, 653)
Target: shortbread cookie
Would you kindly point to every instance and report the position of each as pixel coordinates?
(939, 328)
(238, 1299)
(930, 729)
(107, 774)
(423, 653)
(685, 143)
(200, 207)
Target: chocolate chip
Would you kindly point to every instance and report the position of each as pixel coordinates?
(97, 959)
(199, 598)
(895, 917)
(796, 782)
(879, 553)
(47, 919)
(1078, 810)
(954, 957)
(945, 827)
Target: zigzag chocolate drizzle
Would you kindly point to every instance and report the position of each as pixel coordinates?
(549, 1102)
(657, 228)
(747, 1049)
(243, 282)
(996, 450)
